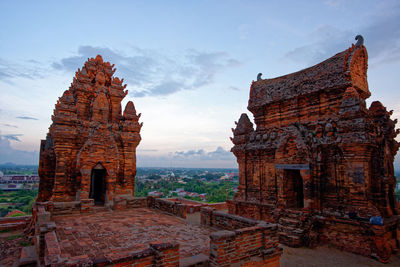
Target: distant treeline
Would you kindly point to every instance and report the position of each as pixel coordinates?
(21, 200)
(10, 168)
(188, 171)
(217, 191)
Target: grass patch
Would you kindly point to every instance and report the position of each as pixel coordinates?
(12, 237)
(25, 243)
(5, 231)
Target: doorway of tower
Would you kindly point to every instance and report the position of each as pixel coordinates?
(294, 189)
(98, 184)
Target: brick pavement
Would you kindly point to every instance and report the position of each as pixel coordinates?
(131, 230)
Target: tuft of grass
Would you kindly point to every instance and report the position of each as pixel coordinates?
(12, 237)
(25, 243)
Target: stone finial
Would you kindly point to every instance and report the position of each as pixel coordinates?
(99, 59)
(130, 111)
(259, 77)
(351, 92)
(377, 108)
(360, 40)
(67, 98)
(244, 126)
(100, 78)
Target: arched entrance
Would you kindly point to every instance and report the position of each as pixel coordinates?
(294, 189)
(292, 165)
(98, 184)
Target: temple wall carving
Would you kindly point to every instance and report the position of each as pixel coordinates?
(316, 148)
(90, 150)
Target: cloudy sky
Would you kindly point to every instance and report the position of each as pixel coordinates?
(188, 64)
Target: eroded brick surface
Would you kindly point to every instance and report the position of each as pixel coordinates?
(90, 149)
(130, 230)
(11, 244)
(318, 158)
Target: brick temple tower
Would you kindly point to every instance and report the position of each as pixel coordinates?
(90, 151)
(319, 161)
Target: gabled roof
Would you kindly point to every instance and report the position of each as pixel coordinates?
(345, 69)
(15, 213)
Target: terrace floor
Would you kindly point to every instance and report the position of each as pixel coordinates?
(130, 230)
(325, 256)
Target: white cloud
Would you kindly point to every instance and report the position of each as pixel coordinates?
(9, 154)
(381, 34)
(11, 69)
(14, 137)
(218, 158)
(151, 73)
(26, 118)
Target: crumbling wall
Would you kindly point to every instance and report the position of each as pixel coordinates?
(242, 241)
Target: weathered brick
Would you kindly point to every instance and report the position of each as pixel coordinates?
(89, 151)
(318, 151)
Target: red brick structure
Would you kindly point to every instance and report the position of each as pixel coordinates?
(152, 232)
(88, 165)
(242, 242)
(319, 162)
(89, 154)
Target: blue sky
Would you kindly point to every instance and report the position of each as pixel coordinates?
(188, 64)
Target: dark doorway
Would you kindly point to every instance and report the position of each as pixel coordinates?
(294, 189)
(98, 184)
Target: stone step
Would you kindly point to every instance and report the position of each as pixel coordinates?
(12, 226)
(99, 209)
(290, 240)
(28, 257)
(290, 229)
(298, 231)
(286, 235)
(293, 211)
(286, 227)
(289, 221)
(293, 215)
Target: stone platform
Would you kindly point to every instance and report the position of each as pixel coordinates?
(97, 235)
(153, 232)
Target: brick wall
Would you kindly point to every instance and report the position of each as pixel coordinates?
(190, 205)
(252, 210)
(66, 208)
(243, 241)
(14, 223)
(218, 206)
(251, 246)
(52, 249)
(359, 237)
(223, 220)
(176, 208)
(129, 202)
(158, 254)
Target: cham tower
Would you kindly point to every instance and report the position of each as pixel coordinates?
(319, 162)
(89, 155)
